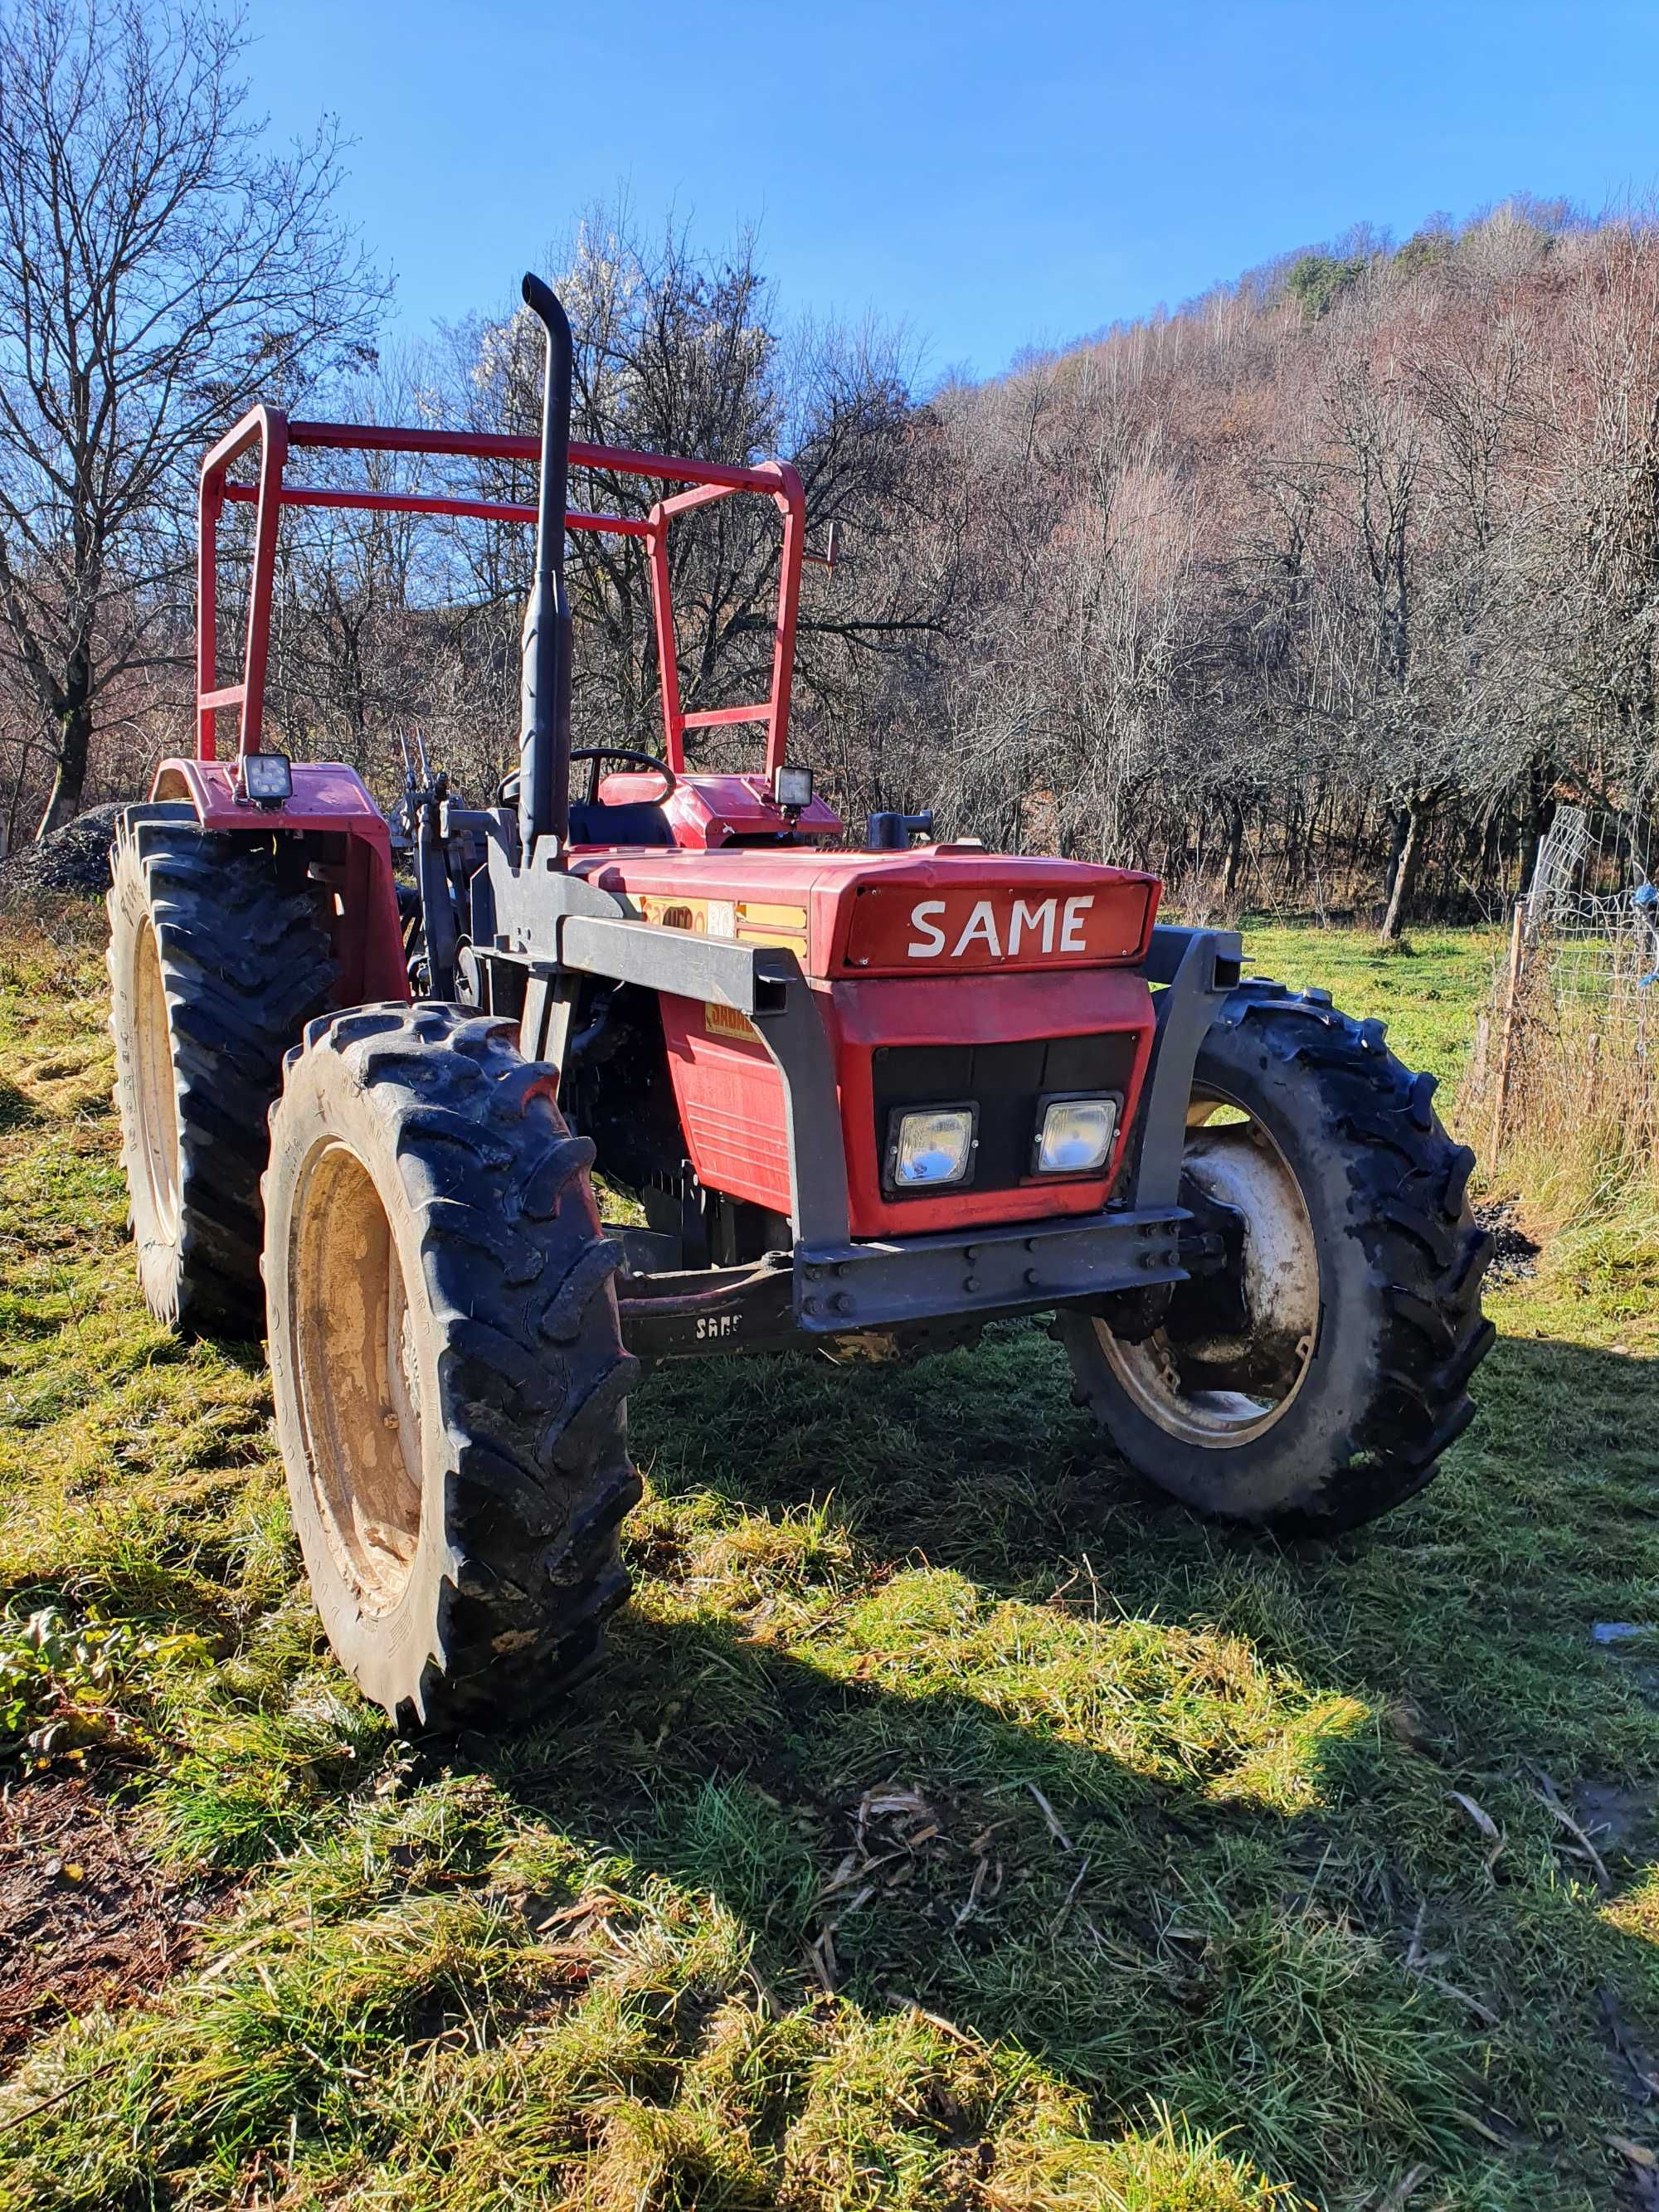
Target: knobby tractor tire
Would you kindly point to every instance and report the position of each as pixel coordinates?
(450, 1382)
(216, 960)
(1328, 1394)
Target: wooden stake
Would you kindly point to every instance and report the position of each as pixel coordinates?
(1506, 1043)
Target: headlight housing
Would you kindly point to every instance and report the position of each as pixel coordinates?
(931, 1147)
(1074, 1135)
(265, 780)
(791, 788)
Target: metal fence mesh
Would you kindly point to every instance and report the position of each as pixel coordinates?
(1590, 927)
(1568, 1051)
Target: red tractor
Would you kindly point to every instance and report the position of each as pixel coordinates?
(881, 1094)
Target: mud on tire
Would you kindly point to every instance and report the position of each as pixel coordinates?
(1393, 1330)
(216, 960)
(447, 1364)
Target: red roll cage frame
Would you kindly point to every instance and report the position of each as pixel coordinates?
(276, 436)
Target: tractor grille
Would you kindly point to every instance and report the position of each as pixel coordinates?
(1005, 1081)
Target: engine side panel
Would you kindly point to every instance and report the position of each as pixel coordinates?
(731, 1098)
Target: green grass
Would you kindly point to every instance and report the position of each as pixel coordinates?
(1427, 988)
(957, 1825)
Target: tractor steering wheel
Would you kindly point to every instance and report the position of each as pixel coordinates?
(594, 755)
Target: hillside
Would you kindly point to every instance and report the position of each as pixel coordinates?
(1319, 594)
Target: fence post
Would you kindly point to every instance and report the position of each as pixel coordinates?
(1506, 1042)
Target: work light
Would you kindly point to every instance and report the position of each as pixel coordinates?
(930, 1147)
(791, 788)
(1074, 1135)
(266, 780)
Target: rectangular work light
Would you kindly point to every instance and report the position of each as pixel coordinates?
(1074, 1135)
(266, 780)
(931, 1147)
(791, 788)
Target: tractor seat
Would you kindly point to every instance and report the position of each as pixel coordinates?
(635, 822)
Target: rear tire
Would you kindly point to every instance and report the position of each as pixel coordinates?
(1329, 1392)
(216, 960)
(446, 1361)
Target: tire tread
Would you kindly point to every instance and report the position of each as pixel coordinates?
(541, 1479)
(245, 960)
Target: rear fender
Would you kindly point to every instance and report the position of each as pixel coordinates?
(350, 845)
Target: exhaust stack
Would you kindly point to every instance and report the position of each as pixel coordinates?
(545, 733)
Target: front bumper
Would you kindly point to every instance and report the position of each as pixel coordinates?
(1023, 1267)
(841, 1289)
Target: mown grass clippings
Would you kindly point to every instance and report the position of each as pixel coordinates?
(957, 1823)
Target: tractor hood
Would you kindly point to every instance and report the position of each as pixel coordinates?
(936, 910)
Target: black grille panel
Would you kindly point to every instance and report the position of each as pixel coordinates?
(1004, 1081)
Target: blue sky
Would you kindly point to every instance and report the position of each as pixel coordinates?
(989, 177)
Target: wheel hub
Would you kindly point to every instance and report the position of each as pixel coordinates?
(157, 1096)
(1233, 1349)
(359, 1376)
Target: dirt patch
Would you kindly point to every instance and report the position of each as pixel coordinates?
(1515, 1256)
(73, 859)
(84, 1918)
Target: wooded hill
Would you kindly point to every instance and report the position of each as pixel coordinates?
(1320, 592)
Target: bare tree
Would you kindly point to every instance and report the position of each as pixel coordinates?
(680, 352)
(160, 266)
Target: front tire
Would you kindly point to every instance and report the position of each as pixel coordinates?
(1320, 1387)
(446, 1363)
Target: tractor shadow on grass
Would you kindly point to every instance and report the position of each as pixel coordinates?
(931, 1849)
(1475, 1599)
(1257, 1899)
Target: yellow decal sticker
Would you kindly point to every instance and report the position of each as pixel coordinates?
(764, 916)
(760, 922)
(726, 1022)
(751, 921)
(673, 913)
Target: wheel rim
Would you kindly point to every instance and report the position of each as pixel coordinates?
(1219, 1390)
(358, 1373)
(158, 1095)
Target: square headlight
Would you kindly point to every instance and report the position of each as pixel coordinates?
(930, 1147)
(1074, 1135)
(266, 780)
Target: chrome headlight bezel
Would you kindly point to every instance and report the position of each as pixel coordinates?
(1096, 1163)
(897, 1185)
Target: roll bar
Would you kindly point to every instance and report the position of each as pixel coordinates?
(268, 432)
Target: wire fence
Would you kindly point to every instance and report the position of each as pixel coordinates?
(1573, 1025)
(1592, 918)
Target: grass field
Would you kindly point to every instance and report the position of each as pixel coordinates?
(957, 1825)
